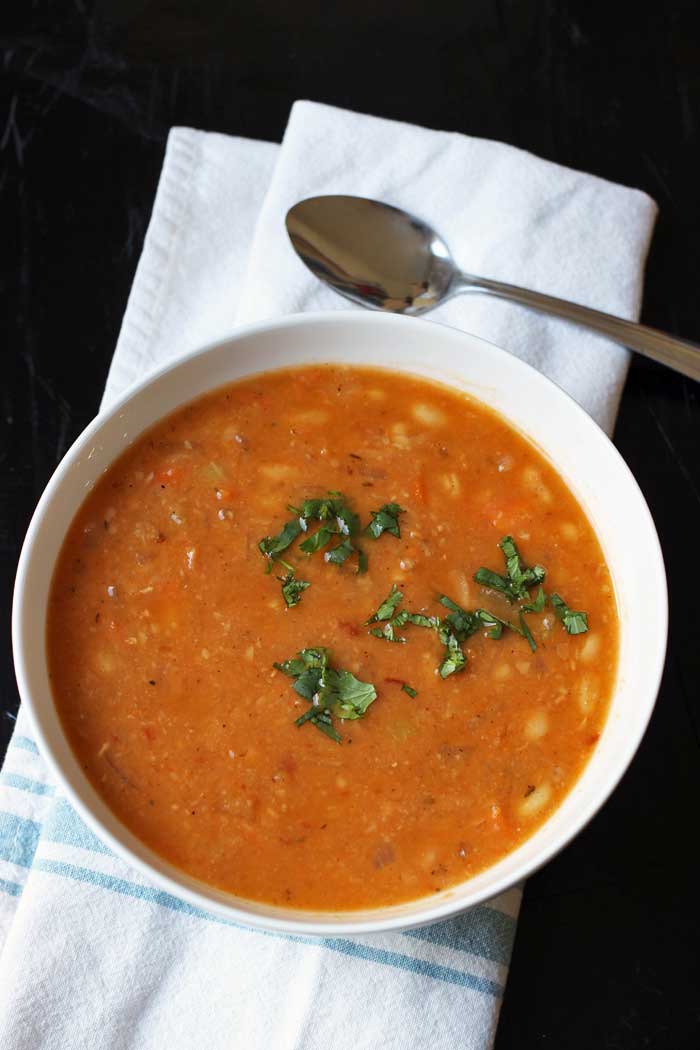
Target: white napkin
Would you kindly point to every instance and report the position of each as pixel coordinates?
(91, 955)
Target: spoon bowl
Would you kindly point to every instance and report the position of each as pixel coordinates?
(387, 259)
(372, 253)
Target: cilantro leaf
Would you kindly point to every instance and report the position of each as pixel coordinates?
(392, 623)
(331, 506)
(318, 539)
(317, 509)
(348, 522)
(337, 519)
(522, 578)
(494, 626)
(519, 578)
(271, 546)
(417, 619)
(322, 720)
(387, 633)
(362, 562)
(494, 582)
(460, 622)
(527, 633)
(574, 622)
(454, 659)
(331, 691)
(386, 519)
(538, 605)
(306, 658)
(340, 554)
(307, 668)
(351, 697)
(388, 606)
(408, 689)
(292, 588)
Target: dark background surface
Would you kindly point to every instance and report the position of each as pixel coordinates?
(606, 952)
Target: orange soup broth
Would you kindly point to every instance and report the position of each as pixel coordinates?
(163, 628)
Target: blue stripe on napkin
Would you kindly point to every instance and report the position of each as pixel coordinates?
(25, 743)
(63, 825)
(482, 932)
(36, 787)
(11, 888)
(19, 838)
(341, 945)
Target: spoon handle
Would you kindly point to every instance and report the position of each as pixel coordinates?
(679, 354)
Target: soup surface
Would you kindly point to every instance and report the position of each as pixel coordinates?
(433, 743)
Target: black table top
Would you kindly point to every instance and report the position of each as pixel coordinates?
(606, 951)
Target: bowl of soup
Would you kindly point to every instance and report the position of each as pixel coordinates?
(345, 624)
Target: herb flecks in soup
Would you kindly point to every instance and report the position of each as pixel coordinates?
(371, 554)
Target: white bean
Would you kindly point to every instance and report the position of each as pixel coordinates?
(537, 725)
(532, 479)
(586, 695)
(105, 662)
(532, 803)
(590, 648)
(462, 587)
(310, 417)
(399, 437)
(277, 471)
(428, 415)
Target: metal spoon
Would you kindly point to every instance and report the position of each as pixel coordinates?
(387, 259)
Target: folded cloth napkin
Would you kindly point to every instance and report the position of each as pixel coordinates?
(90, 954)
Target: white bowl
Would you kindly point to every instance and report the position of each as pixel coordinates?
(578, 449)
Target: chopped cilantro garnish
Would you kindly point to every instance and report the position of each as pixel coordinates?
(318, 539)
(348, 522)
(337, 519)
(494, 624)
(386, 519)
(538, 605)
(408, 689)
(322, 720)
(526, 632)
(388, 633)
(318, 509)
(574, 622)
(454, 629)
(494, 581)
(271, 546)
(292, 588)
(331, 506)
(458, 620)
(388, 606)
(519, 578)
(340, 553)
(386, 611)
(417, 619)
(330, 691)
(454, 659)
